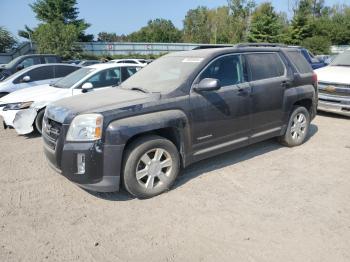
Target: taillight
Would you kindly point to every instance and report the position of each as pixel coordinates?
(314, 78)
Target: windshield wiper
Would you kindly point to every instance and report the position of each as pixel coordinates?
(340, 65)
(139, 89)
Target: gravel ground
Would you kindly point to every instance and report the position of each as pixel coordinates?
(261, 203)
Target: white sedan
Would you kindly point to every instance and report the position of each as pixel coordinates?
(140, 62)
(24, 109)
(34, 76)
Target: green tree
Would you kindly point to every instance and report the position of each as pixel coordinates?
(64, 11)
(301, 26)
(57, 38)
(241, 11)
(6, 40)
(266, 25)
(317, 44)
(196, 26)
(157, 31)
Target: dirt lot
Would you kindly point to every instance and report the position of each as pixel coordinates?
(262, 203)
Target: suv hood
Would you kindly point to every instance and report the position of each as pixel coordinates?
(102, 101)
(334, 74)
(40, 93)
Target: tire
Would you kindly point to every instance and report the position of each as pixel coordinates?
(39, 121)
(298, 127)
(144, 176)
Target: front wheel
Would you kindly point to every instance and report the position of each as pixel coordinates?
(298, 127)
(39, 121)
(151, 166)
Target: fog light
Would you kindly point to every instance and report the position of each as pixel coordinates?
(81, 164)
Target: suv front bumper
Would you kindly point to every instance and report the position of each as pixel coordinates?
(102, 163)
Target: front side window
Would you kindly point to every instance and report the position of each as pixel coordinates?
(227, 69)
(264, 66)
(105, 78)
(38, 74)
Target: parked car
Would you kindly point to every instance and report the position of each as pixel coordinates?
(334, 85)
(34, 76)
(24, 109)
(89, 62)
(25, 61)
(314, 61)
(182, 108)
(142, 62)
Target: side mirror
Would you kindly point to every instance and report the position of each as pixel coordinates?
(26, 79)
(87, 87)
(208, 84)
(20, 67)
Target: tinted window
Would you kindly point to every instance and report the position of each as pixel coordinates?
(227, 69)
(299, 61)
(105, 78)
(129, 71)
(29, 62)
(63, 70)
(50, 59)
(265, 65)
(38, 74)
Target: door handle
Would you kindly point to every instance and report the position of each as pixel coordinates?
(286, 83)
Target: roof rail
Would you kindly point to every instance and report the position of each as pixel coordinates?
(260, 45)
(211, 46)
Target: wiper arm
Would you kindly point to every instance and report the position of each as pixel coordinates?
(139, 89)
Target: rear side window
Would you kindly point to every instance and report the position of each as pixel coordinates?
(64, 70)
(227, 69)
(50, 59)
(299, 61)
(128, 71)
(264, 66)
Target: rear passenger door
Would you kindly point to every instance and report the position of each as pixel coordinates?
(268, 80)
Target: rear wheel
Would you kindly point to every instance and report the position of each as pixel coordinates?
(151, 166)
(298, 127)
(39, 121)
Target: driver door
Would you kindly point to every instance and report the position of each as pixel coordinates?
(221, 119)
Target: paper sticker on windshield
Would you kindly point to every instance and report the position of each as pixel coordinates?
(192, 60)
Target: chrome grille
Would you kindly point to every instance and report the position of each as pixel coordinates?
(51, 132)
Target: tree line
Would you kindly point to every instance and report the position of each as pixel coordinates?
(312, 24)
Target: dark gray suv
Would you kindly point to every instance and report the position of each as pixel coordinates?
(24, 61)
(182, 108)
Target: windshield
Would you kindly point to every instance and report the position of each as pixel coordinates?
(342, 59)
(163, 75)
(73, 78)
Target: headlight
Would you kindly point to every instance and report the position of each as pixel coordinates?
(86, 127)
(18, 106)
